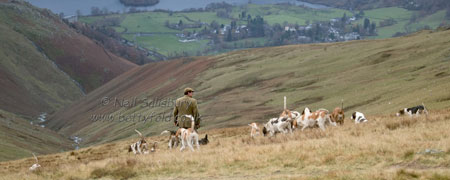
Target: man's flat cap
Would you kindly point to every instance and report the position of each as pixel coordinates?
(188, 90)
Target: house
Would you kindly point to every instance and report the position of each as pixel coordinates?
(288, 28)
(351, 36)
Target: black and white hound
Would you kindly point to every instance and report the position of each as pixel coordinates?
(358, 117)
(420, 109)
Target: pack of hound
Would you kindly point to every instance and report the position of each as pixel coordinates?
(291, 120)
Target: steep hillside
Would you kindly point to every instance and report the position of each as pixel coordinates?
(374, 76)
(30, 82)
(45, 65)
(81, 58)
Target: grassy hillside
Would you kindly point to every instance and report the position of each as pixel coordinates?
(43, 62)
(19, 138)
(383, 148)
(373, 76)
(81, 58)
(31, 83)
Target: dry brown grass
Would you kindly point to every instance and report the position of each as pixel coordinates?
(373, 150)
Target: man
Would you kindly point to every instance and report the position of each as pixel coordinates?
(186, 105)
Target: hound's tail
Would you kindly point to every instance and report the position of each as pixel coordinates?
(322, 109)
(164, 132)
(37, 161)
(140, 134)
(426, 111)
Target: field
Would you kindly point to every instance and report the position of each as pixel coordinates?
(384, 148)
(291, 14)
(402, 17)
(167, 42)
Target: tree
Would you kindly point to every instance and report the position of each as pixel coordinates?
(78, 13)
(180, 23)
(318, 32)
(233, 24)
(256, 26)
(243, 14)
(366, 23)
(105, 10)
(214, 24)
(414, 17)
(166, 23)
(360, 14)
(356, 28)
(372, 28)
(229, 36)
(95, 11)
(344, 18)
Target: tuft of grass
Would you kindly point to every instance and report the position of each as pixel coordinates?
(408, 154)
(403, 174)
(123, 173)
(439, 177)
(117, 173)
(99, 173)
(402, 123)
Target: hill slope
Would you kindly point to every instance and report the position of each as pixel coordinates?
(81, 58)
(382, 148)
(374, 76)
(44, 66)
(20, 139)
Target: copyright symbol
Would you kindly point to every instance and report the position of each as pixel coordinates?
(105, 101)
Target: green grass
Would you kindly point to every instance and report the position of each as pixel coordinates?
(291, 14)
(398, 14)
(20, 139)
(402, 16)
(245, 43)
(154, 22)
(149, 22)
(207, 17)
(167, 43)
(433, 21)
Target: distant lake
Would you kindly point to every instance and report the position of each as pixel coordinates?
(69, 7)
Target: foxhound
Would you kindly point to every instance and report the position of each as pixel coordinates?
(140, 146)
(189, 136)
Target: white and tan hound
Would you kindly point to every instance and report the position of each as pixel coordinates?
(255, 130)
(35, 166)
(188, 136)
